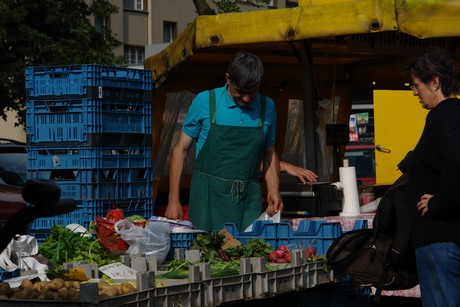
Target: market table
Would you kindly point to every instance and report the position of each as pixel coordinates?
(348, 223)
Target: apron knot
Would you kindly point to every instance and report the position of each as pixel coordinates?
(236, 189)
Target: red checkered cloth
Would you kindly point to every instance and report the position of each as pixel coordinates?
(347, 222)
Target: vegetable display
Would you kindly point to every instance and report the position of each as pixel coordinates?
(64, 245)
(59, 289)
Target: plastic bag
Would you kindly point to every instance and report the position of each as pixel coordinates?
(265, 217)
(154, 239)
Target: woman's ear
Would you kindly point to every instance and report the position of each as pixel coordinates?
(435, 83)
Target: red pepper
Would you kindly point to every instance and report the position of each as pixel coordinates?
(115, 215)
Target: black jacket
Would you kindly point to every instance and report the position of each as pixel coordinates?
(434, 168)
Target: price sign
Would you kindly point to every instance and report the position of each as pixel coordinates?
(118, 270)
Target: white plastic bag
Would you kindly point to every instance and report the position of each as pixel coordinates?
(265, 217)
(154, 239)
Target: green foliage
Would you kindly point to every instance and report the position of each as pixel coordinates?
(256, 247)
(49, 32)
(209, 244)
(228, 6)
(64, 245)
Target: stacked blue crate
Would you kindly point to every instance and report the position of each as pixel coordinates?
(89, 129)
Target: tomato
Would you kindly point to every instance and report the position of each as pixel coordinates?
(310, 251)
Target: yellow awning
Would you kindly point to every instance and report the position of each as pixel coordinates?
(314, 19)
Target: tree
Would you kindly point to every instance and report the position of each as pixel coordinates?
(224, 6)
(49, 32)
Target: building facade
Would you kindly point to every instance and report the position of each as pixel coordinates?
(146, 27)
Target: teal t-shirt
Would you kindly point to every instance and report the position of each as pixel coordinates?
(197, 121)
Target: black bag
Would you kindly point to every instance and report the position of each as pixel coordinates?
(381, 256)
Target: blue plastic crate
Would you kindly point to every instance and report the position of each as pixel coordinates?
(42, 81)
(182, 240)
(75, 120)
(317, 233)
(266, 230)
(88, 157)
(87, 210)
(110, 183)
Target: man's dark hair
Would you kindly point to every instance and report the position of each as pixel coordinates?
(435, 62)
(245, 70)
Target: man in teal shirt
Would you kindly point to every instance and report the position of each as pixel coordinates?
(234, 129)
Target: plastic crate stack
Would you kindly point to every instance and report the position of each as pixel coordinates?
(89, 130)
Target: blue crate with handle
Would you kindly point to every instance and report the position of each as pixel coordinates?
(79, 79)
(76, 120)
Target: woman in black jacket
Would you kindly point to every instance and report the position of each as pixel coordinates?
(434, 183)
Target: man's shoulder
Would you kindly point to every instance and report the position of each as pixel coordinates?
(204, 95)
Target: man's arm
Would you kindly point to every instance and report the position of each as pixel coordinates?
(174, 209)
(302, 174)
(271, 174)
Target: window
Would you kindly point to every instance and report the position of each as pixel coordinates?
(137, 5)
(135, 55)
(291, 4)
(101, 24)
(169, 31)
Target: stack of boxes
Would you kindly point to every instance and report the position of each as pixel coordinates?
(89, 130)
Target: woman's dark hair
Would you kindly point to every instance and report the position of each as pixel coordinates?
(245, 70)
(435, 62)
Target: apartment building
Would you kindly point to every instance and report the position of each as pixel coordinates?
(145, 27)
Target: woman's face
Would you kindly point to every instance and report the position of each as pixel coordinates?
(426, 92)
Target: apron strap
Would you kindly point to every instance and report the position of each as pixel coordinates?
(212, 106)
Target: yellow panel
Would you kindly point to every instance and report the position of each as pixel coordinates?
(398, 123)
(338, 18)
(316, 2)
(429, 18)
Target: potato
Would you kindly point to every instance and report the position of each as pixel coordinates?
(13, 291)
(28, 293)
(63, 293)
(4, 288)
(68, 284)
(50, 295)
(17, 295)
(127, 288)
(26, 283)
(74, 294)
(76, 284)
(41, 287)
(110, 291)
(103, 284)
(56, 284)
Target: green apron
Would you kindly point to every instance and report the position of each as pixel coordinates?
(226, 185)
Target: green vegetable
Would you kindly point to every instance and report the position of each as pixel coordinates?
(136, 219)
(64, 245)
(255, 247)
(210, 245)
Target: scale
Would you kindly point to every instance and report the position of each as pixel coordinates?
(318, 198)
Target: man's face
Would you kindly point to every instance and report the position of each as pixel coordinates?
(242, 96)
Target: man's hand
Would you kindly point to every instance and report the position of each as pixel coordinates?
(174, 211)
(302, 175)
(275, 203)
